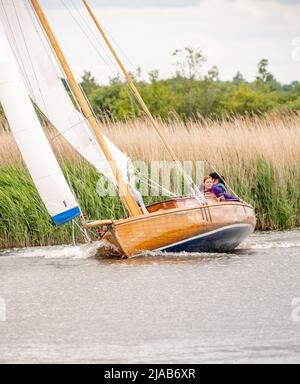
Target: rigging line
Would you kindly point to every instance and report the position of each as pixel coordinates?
(73, 233)
(61, 133)
(97, 40)
(130, 94)
(128, 199)
(133, 66)
(95, 46)
(84, 232)
(30, 59)
(16, 48)
(146, 181)
(87, 100)
(111, 37)
(65, 131)
(11, 30)
(194, 188)
(47, 46)
(48, 42)
(85, 119)
(96, 37)
(90, 41)
(137, 173)
(63, 77)
(44, 42)
(33, 69)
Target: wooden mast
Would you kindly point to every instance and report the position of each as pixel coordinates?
(140, 99)
(124, 190)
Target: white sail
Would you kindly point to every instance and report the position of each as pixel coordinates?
(45, 87)
(31, 140)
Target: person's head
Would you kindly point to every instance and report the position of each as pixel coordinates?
(208, 183)
(216, 178)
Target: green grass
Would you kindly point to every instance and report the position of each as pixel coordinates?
(275, 194)
(24, 220)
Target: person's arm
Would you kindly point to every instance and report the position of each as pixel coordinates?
(229, 197)
(217, 191)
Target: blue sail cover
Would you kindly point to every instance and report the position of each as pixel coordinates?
(65, 217)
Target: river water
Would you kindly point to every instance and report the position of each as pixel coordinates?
(62, 304)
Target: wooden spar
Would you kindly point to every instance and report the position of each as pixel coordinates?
(138, 95)
(97, 223)
(124, 189)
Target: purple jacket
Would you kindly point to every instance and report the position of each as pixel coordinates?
(218, 191)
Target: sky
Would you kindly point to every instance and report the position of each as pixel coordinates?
(234, 35)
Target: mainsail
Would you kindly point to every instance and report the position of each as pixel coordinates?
(43, 81)
(31, 139)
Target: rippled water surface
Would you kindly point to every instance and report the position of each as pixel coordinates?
(62, 304)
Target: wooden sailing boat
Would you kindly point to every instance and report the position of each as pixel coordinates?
(190, 224)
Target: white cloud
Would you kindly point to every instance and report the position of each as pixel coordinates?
(235, 35)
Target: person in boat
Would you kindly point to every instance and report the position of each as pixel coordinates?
(218, 183)
(207, 188)
(219, 188)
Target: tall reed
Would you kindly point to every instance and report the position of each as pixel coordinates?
(260, 157)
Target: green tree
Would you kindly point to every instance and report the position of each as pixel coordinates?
(190, 61)
(243, 99)
(188, 96)
(238, 78)
(88, 83)
(153, 76)
(213, 74)
(263, 74)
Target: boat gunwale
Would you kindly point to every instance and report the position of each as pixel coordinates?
(171, 211)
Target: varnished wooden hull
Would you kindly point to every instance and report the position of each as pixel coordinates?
(217, 227)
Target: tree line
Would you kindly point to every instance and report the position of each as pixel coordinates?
(189, 94)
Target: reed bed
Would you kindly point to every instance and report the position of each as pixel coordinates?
(260, 157)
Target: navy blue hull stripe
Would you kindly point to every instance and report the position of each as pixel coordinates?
(66, 216)
(224, 239)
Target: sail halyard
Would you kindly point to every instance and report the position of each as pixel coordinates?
(42, 76)
(31, 140)
(125, 191)
(142, 103)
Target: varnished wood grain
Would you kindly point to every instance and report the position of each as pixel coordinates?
(163, 228)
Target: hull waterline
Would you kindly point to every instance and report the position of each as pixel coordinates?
(219, 241)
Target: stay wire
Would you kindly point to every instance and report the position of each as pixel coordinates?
(16, 48)
(94, 46)
(31, 62)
